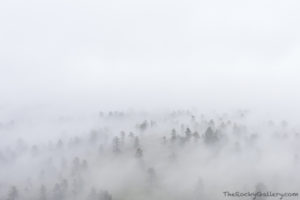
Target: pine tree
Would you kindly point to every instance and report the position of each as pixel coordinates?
(139, 153)
(116, 145)
(42, 193)
(173, 135)
(136, 142)
(210, 137)
(13, 193)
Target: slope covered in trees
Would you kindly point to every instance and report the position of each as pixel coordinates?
(146, 156)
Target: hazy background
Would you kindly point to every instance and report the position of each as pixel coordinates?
(144, 54)
(62, 61)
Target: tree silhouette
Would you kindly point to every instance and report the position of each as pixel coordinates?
(116, 145)
(139, 153)
(13, 193)
(136, 142)
(210, 137)
(42, 193)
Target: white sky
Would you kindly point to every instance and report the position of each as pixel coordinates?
(126, 53)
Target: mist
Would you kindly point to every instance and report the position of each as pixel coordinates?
(148, 99)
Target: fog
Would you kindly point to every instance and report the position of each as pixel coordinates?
(148, 99)
(141, 155)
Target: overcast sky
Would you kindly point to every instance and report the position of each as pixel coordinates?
(126, 53)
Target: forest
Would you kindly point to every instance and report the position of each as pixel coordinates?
(129, 155)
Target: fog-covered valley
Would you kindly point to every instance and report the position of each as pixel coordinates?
(149, 100)
(120, 155)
